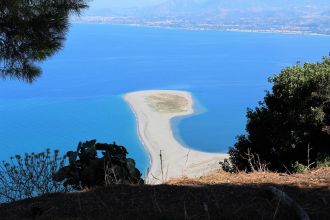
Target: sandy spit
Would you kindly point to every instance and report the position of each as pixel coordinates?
(168, 158)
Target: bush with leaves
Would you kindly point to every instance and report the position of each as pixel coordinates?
(30, 176)
(323, 160)
(292, 124)
(86, 169)
(299, 168)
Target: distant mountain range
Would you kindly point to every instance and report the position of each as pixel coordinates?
(283, 15)
(197, 7)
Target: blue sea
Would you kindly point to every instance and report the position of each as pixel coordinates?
(80, 94)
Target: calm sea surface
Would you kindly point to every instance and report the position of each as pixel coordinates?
(79, 96)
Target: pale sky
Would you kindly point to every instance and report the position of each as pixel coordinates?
(97, 4)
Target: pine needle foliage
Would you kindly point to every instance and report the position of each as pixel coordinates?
(30, 32)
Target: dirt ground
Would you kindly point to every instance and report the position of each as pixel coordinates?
(218, 196)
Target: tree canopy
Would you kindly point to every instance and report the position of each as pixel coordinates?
(30, 32)
(292, 124)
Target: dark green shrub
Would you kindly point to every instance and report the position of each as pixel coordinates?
(299, 168)
(323, 161)
(227, 166)
(293, 121)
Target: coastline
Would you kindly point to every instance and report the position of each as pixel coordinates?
(229, 30)
(168, 157)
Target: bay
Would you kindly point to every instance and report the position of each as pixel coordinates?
(79, 95)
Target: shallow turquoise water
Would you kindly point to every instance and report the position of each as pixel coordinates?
(32, 125)
(79, 96)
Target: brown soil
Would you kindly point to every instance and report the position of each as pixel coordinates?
(218, 196)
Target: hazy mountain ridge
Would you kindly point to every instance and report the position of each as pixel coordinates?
(214, 7)
(184, 7)
(284, 15)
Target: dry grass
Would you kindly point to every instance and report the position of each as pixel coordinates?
(167, 103)
(218, 196)
(309, 179)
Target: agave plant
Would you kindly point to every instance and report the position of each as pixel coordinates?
(86, 169)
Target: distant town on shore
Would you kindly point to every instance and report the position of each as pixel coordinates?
(303, 17)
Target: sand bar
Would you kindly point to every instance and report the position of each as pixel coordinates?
(168, 158)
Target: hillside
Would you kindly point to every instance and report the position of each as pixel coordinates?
(287, 16)
(218, 196)
(196, 7)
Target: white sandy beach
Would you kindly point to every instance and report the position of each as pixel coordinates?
(153, 110)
